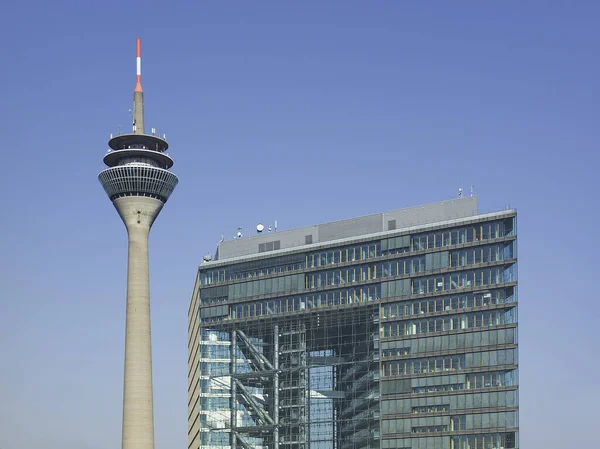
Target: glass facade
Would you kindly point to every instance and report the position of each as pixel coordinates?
(407, 340)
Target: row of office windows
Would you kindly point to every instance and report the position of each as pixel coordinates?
(222, 275)
(215, 351)
(407, 266)
(423, 365)
(463, 279)
(214, 299)
(418, 242)
(481, 254)
(222, 369)
(472, 381)
(506, 440)
(417, 410)
(452, 382)
(369, 251)
(393, 245)
(214, 335)
(310, 301)
(471, 278)
(267, 286)
(211, 437)
(448, 303)
(256, 268)
(485, 399)
(214, 368)
(214, 387)
(428, 429)
(484, 421)
(316, 300)
(390, 269)
(468, 234)
(208, 403)
(430, 284)
(449, 363)
(501, 440)
(493, 420)
(472, 320)
(346, 254)
(439, 388)
(451, 342)
(366, 272)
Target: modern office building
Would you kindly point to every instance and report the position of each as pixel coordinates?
(394, 330)
(138, 183)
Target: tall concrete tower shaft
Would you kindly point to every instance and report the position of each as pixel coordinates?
(139, 183)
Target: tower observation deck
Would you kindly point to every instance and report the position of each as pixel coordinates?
(139, 183)
(138, 166)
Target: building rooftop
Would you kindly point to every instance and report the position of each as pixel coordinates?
(348, 228)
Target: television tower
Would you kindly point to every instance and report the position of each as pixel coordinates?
(139, 183)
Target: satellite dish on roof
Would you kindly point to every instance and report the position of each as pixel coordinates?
(260, 228)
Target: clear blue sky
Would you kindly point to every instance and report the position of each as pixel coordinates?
(297, 111)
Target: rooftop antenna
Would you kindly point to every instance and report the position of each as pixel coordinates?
(472, 189)
(275, 225)
(270, 228)
(260, 228)
(460, 192)
(138, 94)
(239, 233)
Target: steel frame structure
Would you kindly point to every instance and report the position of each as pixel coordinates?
(303, 381)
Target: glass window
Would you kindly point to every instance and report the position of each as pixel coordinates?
(323, 259)
(438, 239)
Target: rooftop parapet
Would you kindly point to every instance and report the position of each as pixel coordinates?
(352, 227)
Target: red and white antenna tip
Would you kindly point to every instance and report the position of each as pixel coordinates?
(138, 85)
